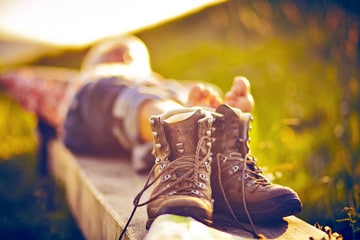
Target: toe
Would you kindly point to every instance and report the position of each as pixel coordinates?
(241, 85)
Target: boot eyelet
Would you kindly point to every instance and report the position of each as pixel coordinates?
(203, 176)
(196, 192)
(165, 178)
(235, 168)
(200, 185)
(162, 166)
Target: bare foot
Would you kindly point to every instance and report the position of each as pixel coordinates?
(206, 96)
(239, 95)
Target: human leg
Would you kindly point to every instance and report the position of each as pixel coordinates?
(150, 108)
(110, 116)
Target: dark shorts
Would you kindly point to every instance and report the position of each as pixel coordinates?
(88, 124)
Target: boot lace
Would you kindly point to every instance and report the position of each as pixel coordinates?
(250, 172)
(189, 182)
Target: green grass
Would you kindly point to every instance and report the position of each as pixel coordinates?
(305, 80)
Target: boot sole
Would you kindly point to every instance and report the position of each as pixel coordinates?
(199, 214)
(290, 205)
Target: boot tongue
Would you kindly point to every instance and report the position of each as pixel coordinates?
(236, 129)
(182, 137)
(232, 134)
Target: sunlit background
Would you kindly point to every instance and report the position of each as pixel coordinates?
(302, 58)
(38, 26)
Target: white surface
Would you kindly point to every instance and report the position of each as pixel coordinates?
(81, 22)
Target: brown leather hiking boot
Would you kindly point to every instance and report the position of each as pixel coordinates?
(182, 169)
(239, 189)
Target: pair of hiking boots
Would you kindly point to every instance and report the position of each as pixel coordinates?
(203, 168)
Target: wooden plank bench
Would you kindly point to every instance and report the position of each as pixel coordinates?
(100, 192)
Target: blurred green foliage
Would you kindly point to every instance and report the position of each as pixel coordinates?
(302, 59)
(16, 129)
(31, 208)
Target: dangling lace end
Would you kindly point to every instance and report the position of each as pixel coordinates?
(137, 203)
(122, 234)
(253, 231)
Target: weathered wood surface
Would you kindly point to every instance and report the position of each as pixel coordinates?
(100, 191)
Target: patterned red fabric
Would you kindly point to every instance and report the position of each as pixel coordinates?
(45, 91)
